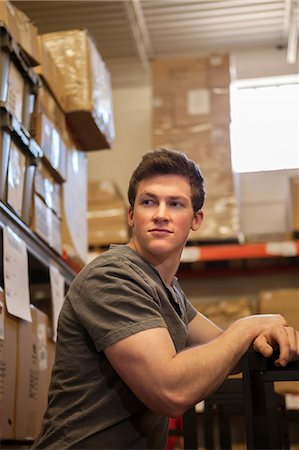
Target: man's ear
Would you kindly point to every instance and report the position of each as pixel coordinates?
(130, 217)
(197, 220)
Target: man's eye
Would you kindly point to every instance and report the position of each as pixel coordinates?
(147, 202)
(176, 204)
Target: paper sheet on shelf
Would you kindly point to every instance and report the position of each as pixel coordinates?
(16, 280)
(57, 289)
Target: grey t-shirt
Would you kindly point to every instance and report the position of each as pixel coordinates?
(90, 407)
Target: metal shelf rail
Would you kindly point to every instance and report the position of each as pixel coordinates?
(35, 245)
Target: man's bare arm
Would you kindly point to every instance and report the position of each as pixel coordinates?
(169, 382)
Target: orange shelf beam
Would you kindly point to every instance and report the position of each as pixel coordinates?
(240, 251)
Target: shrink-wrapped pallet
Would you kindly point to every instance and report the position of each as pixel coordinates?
(88, 103)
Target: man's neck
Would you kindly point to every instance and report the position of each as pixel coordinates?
(167, 266)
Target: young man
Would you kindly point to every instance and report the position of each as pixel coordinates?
(131, 350)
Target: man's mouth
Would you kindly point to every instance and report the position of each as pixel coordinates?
(160, 230)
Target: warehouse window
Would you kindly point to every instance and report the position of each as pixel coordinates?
(265, 124)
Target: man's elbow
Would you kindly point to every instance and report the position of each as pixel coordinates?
(172, 404)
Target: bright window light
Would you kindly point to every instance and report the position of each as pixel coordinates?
(265, 124)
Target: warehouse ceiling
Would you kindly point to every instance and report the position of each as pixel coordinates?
(131, 33)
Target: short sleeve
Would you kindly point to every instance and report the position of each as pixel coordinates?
(115, 302)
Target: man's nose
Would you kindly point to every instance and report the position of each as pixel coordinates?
(161, 212)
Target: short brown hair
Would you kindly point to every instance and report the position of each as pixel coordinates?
(168, 162)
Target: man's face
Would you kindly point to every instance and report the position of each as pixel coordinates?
(162, 216)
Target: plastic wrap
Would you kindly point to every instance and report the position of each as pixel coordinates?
(87, 86)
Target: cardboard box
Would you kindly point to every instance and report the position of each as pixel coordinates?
(15, 93)
(190, 91)
(193, 105)
(8, 365)
(107, 225)
(107, 214)
(32, 375)
(16, 178)
(281, 301)
(74, 214)
(5, 140)
(41, 219)
(191, 113)
(49, 139)
(18, 86)
(51, 75)
(21, 29)
(48, 188)
(285, 302)
(19, 186)
(47, 104)
(88, 106)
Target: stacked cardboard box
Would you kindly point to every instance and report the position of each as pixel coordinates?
(21, 29)
(191, 113)
(26, 358)
(18, 91)
(107, 214)
(88, 100)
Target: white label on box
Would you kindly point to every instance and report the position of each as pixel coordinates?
(15, 92)
(198, 102)
(57, 290)
(16, 178)
(42, 346)
(190, 254)
(16, 279)
(287, 248)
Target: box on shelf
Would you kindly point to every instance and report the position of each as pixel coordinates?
(262, 202)
(281, 301)
(88, 104)
(191, 113)
(21, 29)
(18, 85)
(48, 188)
(49, 139)
(107, 214)
(32, 375)
(190, 91)
(8, 363)
(20, 174)
(5, 140)
(46, 224)
(50, 74)
(285, 302)
(74, 207)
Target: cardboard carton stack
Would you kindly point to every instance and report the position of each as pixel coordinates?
(26, 359)
(71, 113)
(107, 214)
(18, 91)
(88, 101)
(191, 113)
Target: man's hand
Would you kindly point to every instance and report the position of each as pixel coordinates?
(283, 338)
